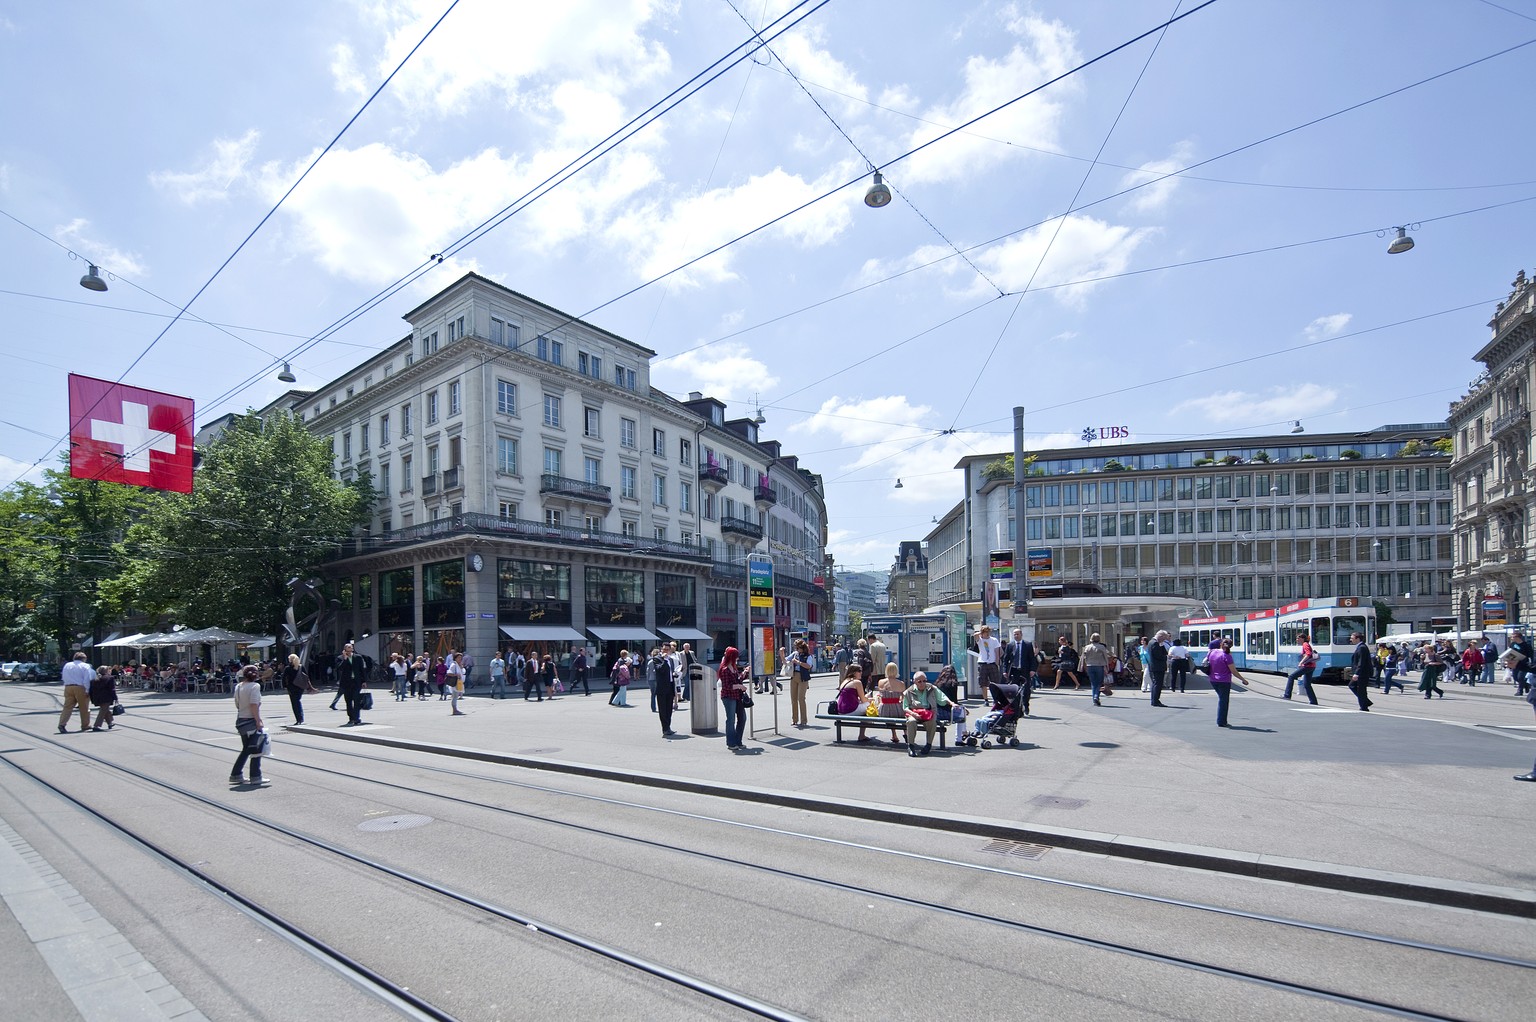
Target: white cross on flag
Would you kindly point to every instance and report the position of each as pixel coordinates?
(127, 435)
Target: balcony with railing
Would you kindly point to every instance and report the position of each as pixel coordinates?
(453, 479)
(713, 477)
(764, 496)
(1513, 422)
(512, 529)
(741, 529)
(576, 489)
(429, 485)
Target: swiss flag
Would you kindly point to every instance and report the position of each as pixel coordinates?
(127, 435)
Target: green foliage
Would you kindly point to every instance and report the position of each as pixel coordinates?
(1308, 457)
(263, 510)
(1202, 462)
(1002, 468)
(1412, 448)
(1262, 456)
(1349, 455)
(1231, 459)
(1114, 465)
(1383, 616)
(59, 546)
(856, 618)
(1445, 445)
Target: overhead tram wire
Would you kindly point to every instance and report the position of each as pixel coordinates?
(746, 48)
(1118, 194)
(1061, 221)
(865, 156)
(261, 223)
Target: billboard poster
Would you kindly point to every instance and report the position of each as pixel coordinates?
(1040, 563)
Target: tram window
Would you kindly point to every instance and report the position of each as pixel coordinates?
(1321, 635)
(1345, 626)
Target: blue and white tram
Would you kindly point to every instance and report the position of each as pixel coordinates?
(1270, 640)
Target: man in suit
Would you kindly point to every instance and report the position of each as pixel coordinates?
(352, 675)
(1019, 655)
(1362, 669)
(1157, 665)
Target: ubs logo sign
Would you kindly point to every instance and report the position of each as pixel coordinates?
(1092, 433)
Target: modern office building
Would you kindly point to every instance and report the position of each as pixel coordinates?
(535, 489)
(1241, 524)
(1494, 548)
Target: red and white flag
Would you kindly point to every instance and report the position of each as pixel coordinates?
(127, 435)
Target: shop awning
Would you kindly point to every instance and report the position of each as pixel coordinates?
(623, 634)
(685, 634)
(543, 633)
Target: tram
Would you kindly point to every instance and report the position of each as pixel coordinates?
(1270, 640)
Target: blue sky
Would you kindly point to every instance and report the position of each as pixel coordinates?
(152, 138)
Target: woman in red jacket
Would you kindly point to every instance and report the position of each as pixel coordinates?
(733, 693)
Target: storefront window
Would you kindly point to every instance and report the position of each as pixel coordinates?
(397, 598)
(442, 585)
(615, 597)
(529, 591)
(676, 603)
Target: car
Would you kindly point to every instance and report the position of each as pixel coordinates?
(8, 669)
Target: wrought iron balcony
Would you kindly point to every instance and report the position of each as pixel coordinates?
(713, 477)
(741, 527)
(576, 489)
(764, 497)
(429, 485)
(453, 479)
(1512, 421)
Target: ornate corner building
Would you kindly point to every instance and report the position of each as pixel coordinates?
(1492, 581)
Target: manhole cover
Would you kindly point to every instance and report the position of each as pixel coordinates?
(395, 822)
(1057, 802)
(535, 752)
(1008, 846)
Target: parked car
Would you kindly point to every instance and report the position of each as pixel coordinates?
(8, 669)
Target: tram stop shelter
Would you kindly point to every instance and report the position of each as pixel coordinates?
(1117, 619)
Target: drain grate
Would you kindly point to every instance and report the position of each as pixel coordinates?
(395, 823)
(1008, 846)
(1057, 802)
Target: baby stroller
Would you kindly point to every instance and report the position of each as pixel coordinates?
(1001, 724)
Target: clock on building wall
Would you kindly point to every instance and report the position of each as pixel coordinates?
(476, 562)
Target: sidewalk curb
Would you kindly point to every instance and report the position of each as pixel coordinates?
(1331, 876)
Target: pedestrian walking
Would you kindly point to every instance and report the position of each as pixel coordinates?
(799, 683)
(77, 676)
(1157, 661)
(548, 676)
(455, 683)
(663, 687)
(398, 670)
(579, 670)
(297, 684)
(467, 664)
(1471, 665)
(1530, 697)
(1019, 654)
(103, 695)
(1178, 666)
(498, 669)
(1362, 667)
(1065, 663)
(988, 652)
(1222, 671)
(1389, 672)
(1095, 659)
(352, 675)
(1434, 667)
(1303, 672)
(249, 726)
(619, 677)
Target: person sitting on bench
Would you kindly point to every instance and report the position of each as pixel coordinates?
(921, 703)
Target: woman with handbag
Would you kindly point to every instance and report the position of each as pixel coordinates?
(297, 683)
(103, 693)
(248, 725)
(734, 694)
(455, 678)
(799, 682)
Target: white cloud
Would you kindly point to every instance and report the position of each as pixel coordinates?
(726, 370)
(109, 257)
(1153, 197)
(366, 213)
(510, 50)
(662, 236)
(1328, 326)
(802, 52)
(1046, 49)
(1085, 248)
(1277, 404)
(213, 179)
(13, 471)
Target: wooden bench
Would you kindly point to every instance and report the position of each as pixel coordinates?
(895, 725)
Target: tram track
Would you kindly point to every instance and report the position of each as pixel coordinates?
(859, 890)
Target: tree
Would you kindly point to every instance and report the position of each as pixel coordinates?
(60, 546)
(263, 510)
(1002, 468)
(856, 624)
(1383, 616)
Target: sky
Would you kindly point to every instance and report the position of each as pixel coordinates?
(1184, 235)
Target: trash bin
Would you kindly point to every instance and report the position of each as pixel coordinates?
(704, 701)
